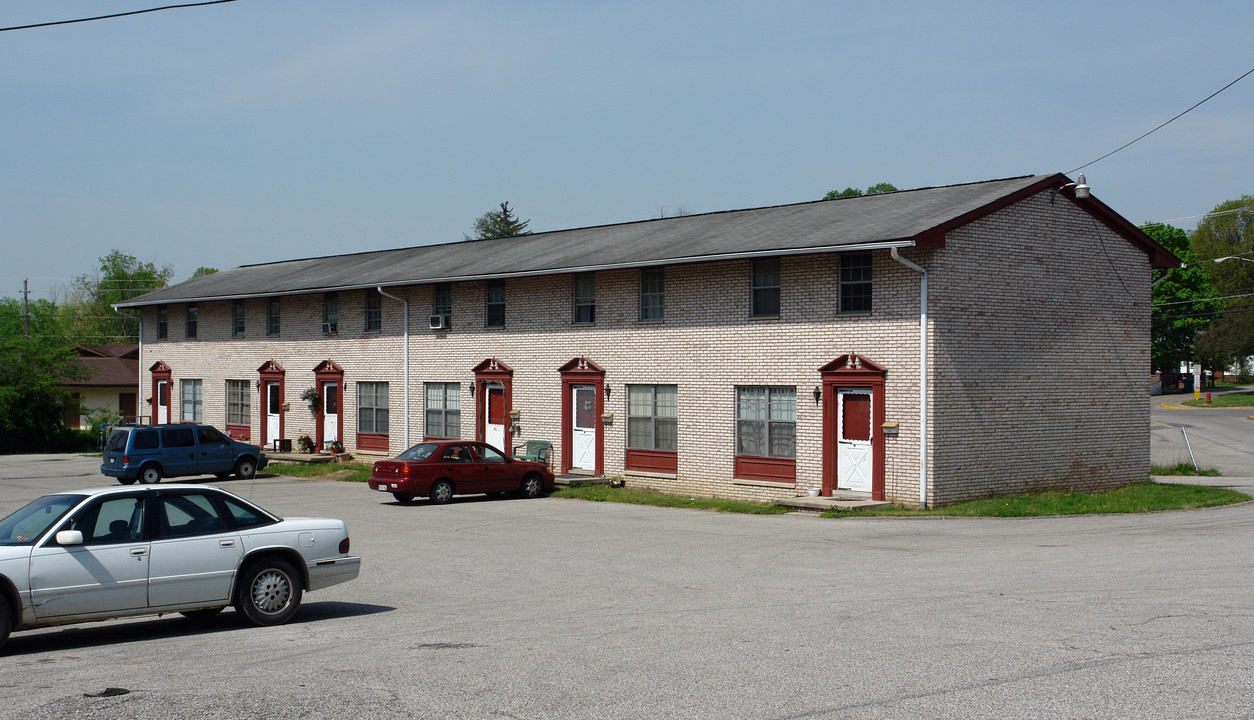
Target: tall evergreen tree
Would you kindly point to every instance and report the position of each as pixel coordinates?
(498, 224)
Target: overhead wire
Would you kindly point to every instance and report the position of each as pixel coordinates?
(1160, 127)
(115, 15)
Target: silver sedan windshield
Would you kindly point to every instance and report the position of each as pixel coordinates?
(29, 523)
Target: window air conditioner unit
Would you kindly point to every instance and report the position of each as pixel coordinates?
(439, 322)
(328, 328)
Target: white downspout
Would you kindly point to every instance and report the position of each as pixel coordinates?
(406, 321)
(922, 376)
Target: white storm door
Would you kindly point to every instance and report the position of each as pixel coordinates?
(494, 419)
(274, 404)
(330, 412)
(163, 401)
(583, 440)
(853, 443)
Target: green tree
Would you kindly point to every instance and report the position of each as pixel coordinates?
(498, 224)
(91, 297)
(875, 189)
(1182, 305)
(1226, 236)
(32, 404)
(202, 271)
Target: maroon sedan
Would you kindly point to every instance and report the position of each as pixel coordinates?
(443, 469)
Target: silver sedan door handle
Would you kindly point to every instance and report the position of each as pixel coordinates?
(139, 552)
(226, 543)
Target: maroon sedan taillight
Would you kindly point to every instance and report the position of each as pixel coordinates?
(344, 545)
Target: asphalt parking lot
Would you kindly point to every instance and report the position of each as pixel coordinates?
(562, 609)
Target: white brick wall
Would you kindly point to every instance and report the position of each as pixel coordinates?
(1036, 352)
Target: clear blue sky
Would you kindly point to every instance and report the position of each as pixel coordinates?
(266, 130)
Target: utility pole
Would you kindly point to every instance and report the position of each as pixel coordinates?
(26, 305)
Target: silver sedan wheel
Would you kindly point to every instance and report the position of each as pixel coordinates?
(272, 591)
(269, 591)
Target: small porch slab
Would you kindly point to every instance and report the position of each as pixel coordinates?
(575, 480)
(308, 457)
(840, 501)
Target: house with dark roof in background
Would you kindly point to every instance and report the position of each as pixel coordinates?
(923, 346)
(108, 385)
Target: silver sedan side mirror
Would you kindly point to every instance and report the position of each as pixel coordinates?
(70, 537)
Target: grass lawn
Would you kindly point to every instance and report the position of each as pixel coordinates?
(348, 472)
(1232, 399)
(633, 496)
(1139, 498)
(1183, 468)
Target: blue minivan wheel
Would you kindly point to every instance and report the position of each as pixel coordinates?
(150, 475)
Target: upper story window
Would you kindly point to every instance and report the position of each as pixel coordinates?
(374, 310)
(330, 313)
(237, 318)
(653, 294)
(272, 317)
(766, 421)
(585, 297)
(855, 282)
(163, 322)
(190, 326)
(766, 286)
(494, 304)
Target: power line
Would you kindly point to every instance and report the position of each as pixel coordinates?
(1185, 302)
(1160, 127)
(1194, 217)
(115, 15)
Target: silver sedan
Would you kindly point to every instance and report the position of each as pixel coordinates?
(193, 549)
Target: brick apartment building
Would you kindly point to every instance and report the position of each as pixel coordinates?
(753, 354)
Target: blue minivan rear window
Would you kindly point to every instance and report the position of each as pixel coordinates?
(145, 440)
(178, 437)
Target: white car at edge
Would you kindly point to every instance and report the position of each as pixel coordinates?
(193, 549)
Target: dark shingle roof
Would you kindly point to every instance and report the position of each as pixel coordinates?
(901, 218)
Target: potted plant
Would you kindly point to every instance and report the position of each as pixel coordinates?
(306, 444)
(310, 396)
(337, 448)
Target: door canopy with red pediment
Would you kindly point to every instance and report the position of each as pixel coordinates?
(160, 398)
(852, 372)
(494, 398)
(583, 377)
(328, 374)
(271, 367)
(270, 386)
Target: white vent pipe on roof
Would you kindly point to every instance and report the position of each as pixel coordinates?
(922, 375)
(405, 303)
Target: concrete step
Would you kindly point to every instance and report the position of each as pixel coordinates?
(823, 504)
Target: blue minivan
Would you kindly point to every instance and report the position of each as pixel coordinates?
(150, 452)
